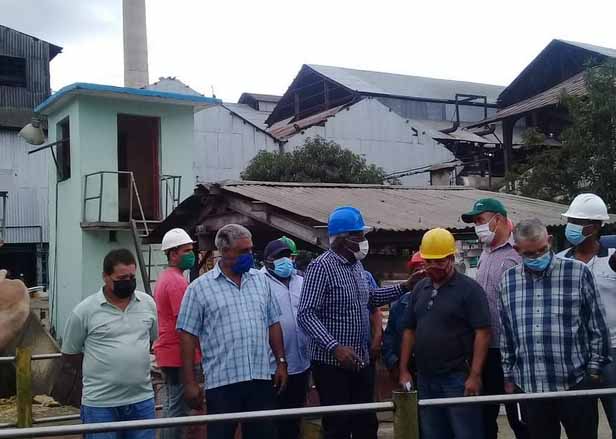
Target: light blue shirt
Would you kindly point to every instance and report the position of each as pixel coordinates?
(232, 324)
(295, 342)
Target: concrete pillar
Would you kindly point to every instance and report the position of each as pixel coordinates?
(135, 44)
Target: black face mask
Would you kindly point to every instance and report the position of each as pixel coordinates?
(124, 288)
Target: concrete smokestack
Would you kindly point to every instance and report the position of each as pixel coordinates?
(135, 44)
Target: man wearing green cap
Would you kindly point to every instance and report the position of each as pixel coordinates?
(494, 231)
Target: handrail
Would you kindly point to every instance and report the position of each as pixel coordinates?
(133, 192)
(171, 189)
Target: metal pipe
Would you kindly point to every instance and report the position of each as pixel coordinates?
(62, 430)
(34, 357)
(56, 419)
(491, 399)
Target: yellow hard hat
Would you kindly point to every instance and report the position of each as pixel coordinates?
(437, 244)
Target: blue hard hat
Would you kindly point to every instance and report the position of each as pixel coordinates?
(346, 219)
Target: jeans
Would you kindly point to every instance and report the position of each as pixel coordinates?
(294, 396)
(340, 386)
(241, 397)
(174, 403)
(609, 402)
(461, 422)
(130, 412)
(494, 384)
(579, 416)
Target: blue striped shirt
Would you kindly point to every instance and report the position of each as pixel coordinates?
(334, 307)
(232, 324)
(553, 326)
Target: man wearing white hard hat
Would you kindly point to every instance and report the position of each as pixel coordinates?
(168, 294)
(585, 218)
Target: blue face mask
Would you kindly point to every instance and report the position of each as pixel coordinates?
(539, 264)
(575, 233)
(243, 263)
(283, 267)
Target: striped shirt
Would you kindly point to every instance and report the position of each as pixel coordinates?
(554, 327)
(232, 324)
(334, 307)
(493, 263)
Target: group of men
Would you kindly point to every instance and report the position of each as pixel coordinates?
(532, 321)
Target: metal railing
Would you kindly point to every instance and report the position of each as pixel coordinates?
(404, 406)
(171, 190)
(3, 198)
(133, 193)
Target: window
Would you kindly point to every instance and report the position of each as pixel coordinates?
(12, 71)
(63, 150)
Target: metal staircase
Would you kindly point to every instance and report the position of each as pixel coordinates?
(149, 256)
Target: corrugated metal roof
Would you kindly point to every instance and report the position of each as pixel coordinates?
(172, 85)
(369, 82)
(259, 97)
(393, 208)
(591, 47)
(246, 112)
(574, 86)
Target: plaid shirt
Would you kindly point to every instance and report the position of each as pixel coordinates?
(232, 324)
(334, 307)
(553, 326)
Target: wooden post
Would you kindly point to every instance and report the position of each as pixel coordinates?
(508, 143)
(406, 421)
(23, 372)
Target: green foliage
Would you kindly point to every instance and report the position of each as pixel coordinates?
(586, 162)
(317, 161)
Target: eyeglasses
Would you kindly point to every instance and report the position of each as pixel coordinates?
(432, 297)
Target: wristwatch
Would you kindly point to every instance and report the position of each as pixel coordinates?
(281, 360)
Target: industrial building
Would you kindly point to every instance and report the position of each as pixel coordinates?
(24, 83)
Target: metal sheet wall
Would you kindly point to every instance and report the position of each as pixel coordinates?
(25, 177)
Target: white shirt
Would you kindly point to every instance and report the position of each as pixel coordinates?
(295, 342)
(605, 279)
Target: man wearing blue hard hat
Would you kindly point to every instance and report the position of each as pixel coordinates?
(334, 313)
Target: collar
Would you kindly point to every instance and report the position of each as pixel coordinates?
(341, 259)
(274, 278)
(544, 273)
(101, 299)
(508, 242)
(217, 271)
(603, 252)
(451, 282)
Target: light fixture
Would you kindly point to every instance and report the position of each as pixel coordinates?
(33, 133)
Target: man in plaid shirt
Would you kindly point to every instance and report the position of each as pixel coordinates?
(554, 335)
(334, 313)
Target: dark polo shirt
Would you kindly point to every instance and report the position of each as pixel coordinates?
(444, 333)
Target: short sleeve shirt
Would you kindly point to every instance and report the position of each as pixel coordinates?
(445, 331)
(116, 348)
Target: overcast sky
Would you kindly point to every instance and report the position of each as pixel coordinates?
(259, 45)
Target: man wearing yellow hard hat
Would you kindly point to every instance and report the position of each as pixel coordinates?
(448, 330)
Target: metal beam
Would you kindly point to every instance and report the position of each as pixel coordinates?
(216, 222)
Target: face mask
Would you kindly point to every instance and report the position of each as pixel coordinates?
(575, 233)
(187, 261)
(243, 263)
(538, 264)
(124, 288)
(283, 267)
(437, 274)
(483, 232)
(364, 248)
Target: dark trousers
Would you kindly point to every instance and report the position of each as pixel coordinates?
(241, 397)
(579, 416)
(294, 396)
(494, 384)
(340, 386)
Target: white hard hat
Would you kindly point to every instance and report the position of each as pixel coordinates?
(588, 207)
(175, 238)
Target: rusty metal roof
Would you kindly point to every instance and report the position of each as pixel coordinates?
(392, 208)
(574, 86)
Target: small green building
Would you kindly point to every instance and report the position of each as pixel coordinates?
(123, 163)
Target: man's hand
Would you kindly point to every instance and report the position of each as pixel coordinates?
(193, 395)
(405, 379)
(281, 377)
(394, 373)
(509, 388)
(472, 386)
(347, 358)
(414, 278)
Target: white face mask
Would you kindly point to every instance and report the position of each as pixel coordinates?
(364, 248)
(485, 235)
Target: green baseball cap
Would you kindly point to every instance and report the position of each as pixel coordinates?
(484, 205)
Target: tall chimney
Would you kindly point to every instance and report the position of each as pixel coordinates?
(135, 44)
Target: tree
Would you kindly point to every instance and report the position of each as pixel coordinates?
(317, 161)
(586, 162)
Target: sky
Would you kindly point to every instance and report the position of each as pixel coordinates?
(258, 46)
